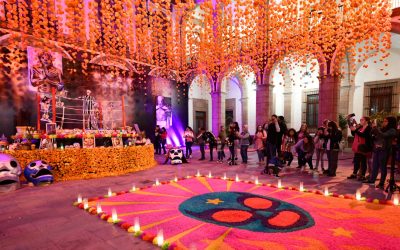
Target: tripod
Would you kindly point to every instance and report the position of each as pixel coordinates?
(392, 187)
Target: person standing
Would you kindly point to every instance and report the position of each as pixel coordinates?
(333, 137)
(319, 148)
(244, 143)
(189, 136)
(273, 130)
(157, 140)
(361, 147)
(281, 134)
(222, 137)
(383, 139)
(259, 138)
(164, 136)
(201, 140)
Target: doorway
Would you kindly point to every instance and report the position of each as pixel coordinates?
(200, 120)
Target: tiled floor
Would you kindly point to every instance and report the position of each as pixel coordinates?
(44, 218)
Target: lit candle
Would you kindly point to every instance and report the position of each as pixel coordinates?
(279, 183)
(136, 226)
(224, 176)
(358, 195)
(55, 145)
(209, 174)
(160, 238)
(79, 198)
(133, 188)
(99, 210)
(198, 173)
(326, 192)
(176, 179)
(237, 178)
(256, 181)
(114, 215)
(85, 204)
(109, 192)
(301, 187)
(396, 199)
(157, 182)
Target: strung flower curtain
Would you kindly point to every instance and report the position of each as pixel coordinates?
(208, 36)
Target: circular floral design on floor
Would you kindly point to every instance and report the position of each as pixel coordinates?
(247, 211)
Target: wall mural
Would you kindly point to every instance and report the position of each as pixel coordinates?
(89, 98)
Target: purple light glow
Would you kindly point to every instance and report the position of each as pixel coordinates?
(175, 132)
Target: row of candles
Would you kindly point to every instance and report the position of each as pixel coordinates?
(160, 237)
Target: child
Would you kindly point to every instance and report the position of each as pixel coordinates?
(220, 150)
(289, 141)
(319, 148)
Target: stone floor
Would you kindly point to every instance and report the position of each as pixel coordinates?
(44, 218)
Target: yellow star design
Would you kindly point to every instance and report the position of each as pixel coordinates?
(340, 231)
(214, 201)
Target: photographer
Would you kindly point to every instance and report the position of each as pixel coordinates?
(382, 138)
(362, 146)
(333, 136)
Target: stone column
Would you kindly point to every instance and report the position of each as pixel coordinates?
(263, 103)
(217, 111)
(329, 89)
(245, 113)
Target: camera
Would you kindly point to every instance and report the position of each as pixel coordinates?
(351, 120)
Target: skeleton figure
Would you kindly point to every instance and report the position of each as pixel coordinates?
(38, 172)
(90, 108)
(9, 173)
(176, 156)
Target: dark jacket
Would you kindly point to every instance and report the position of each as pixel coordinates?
(383, 138)
(335, 137)
(366, 134)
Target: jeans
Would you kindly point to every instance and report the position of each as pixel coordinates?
(260, 153)
(220, 155)
(202, 151)
(303, 159)
(333, 156)
(288, 157)
(243, 153)
(379, 162)
(212, 146)
(232, 151)
(270, 152)
(360, 161)
(163, 142)
(320, 156)
(188, 149)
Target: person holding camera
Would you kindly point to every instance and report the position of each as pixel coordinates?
(362, 147)
(333, 136)
(383, 139)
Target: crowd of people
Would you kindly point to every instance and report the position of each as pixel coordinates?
(277, 146)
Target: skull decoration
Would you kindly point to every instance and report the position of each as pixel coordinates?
(9, 173)
(247, 211)
(38, 172)
(176, 156)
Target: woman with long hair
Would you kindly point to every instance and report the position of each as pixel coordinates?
(289, 140)
(189, 137)
(383, 139)
(362, 146)
(303, 131)
(259, 139)
(333, 137)
(305, 151)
